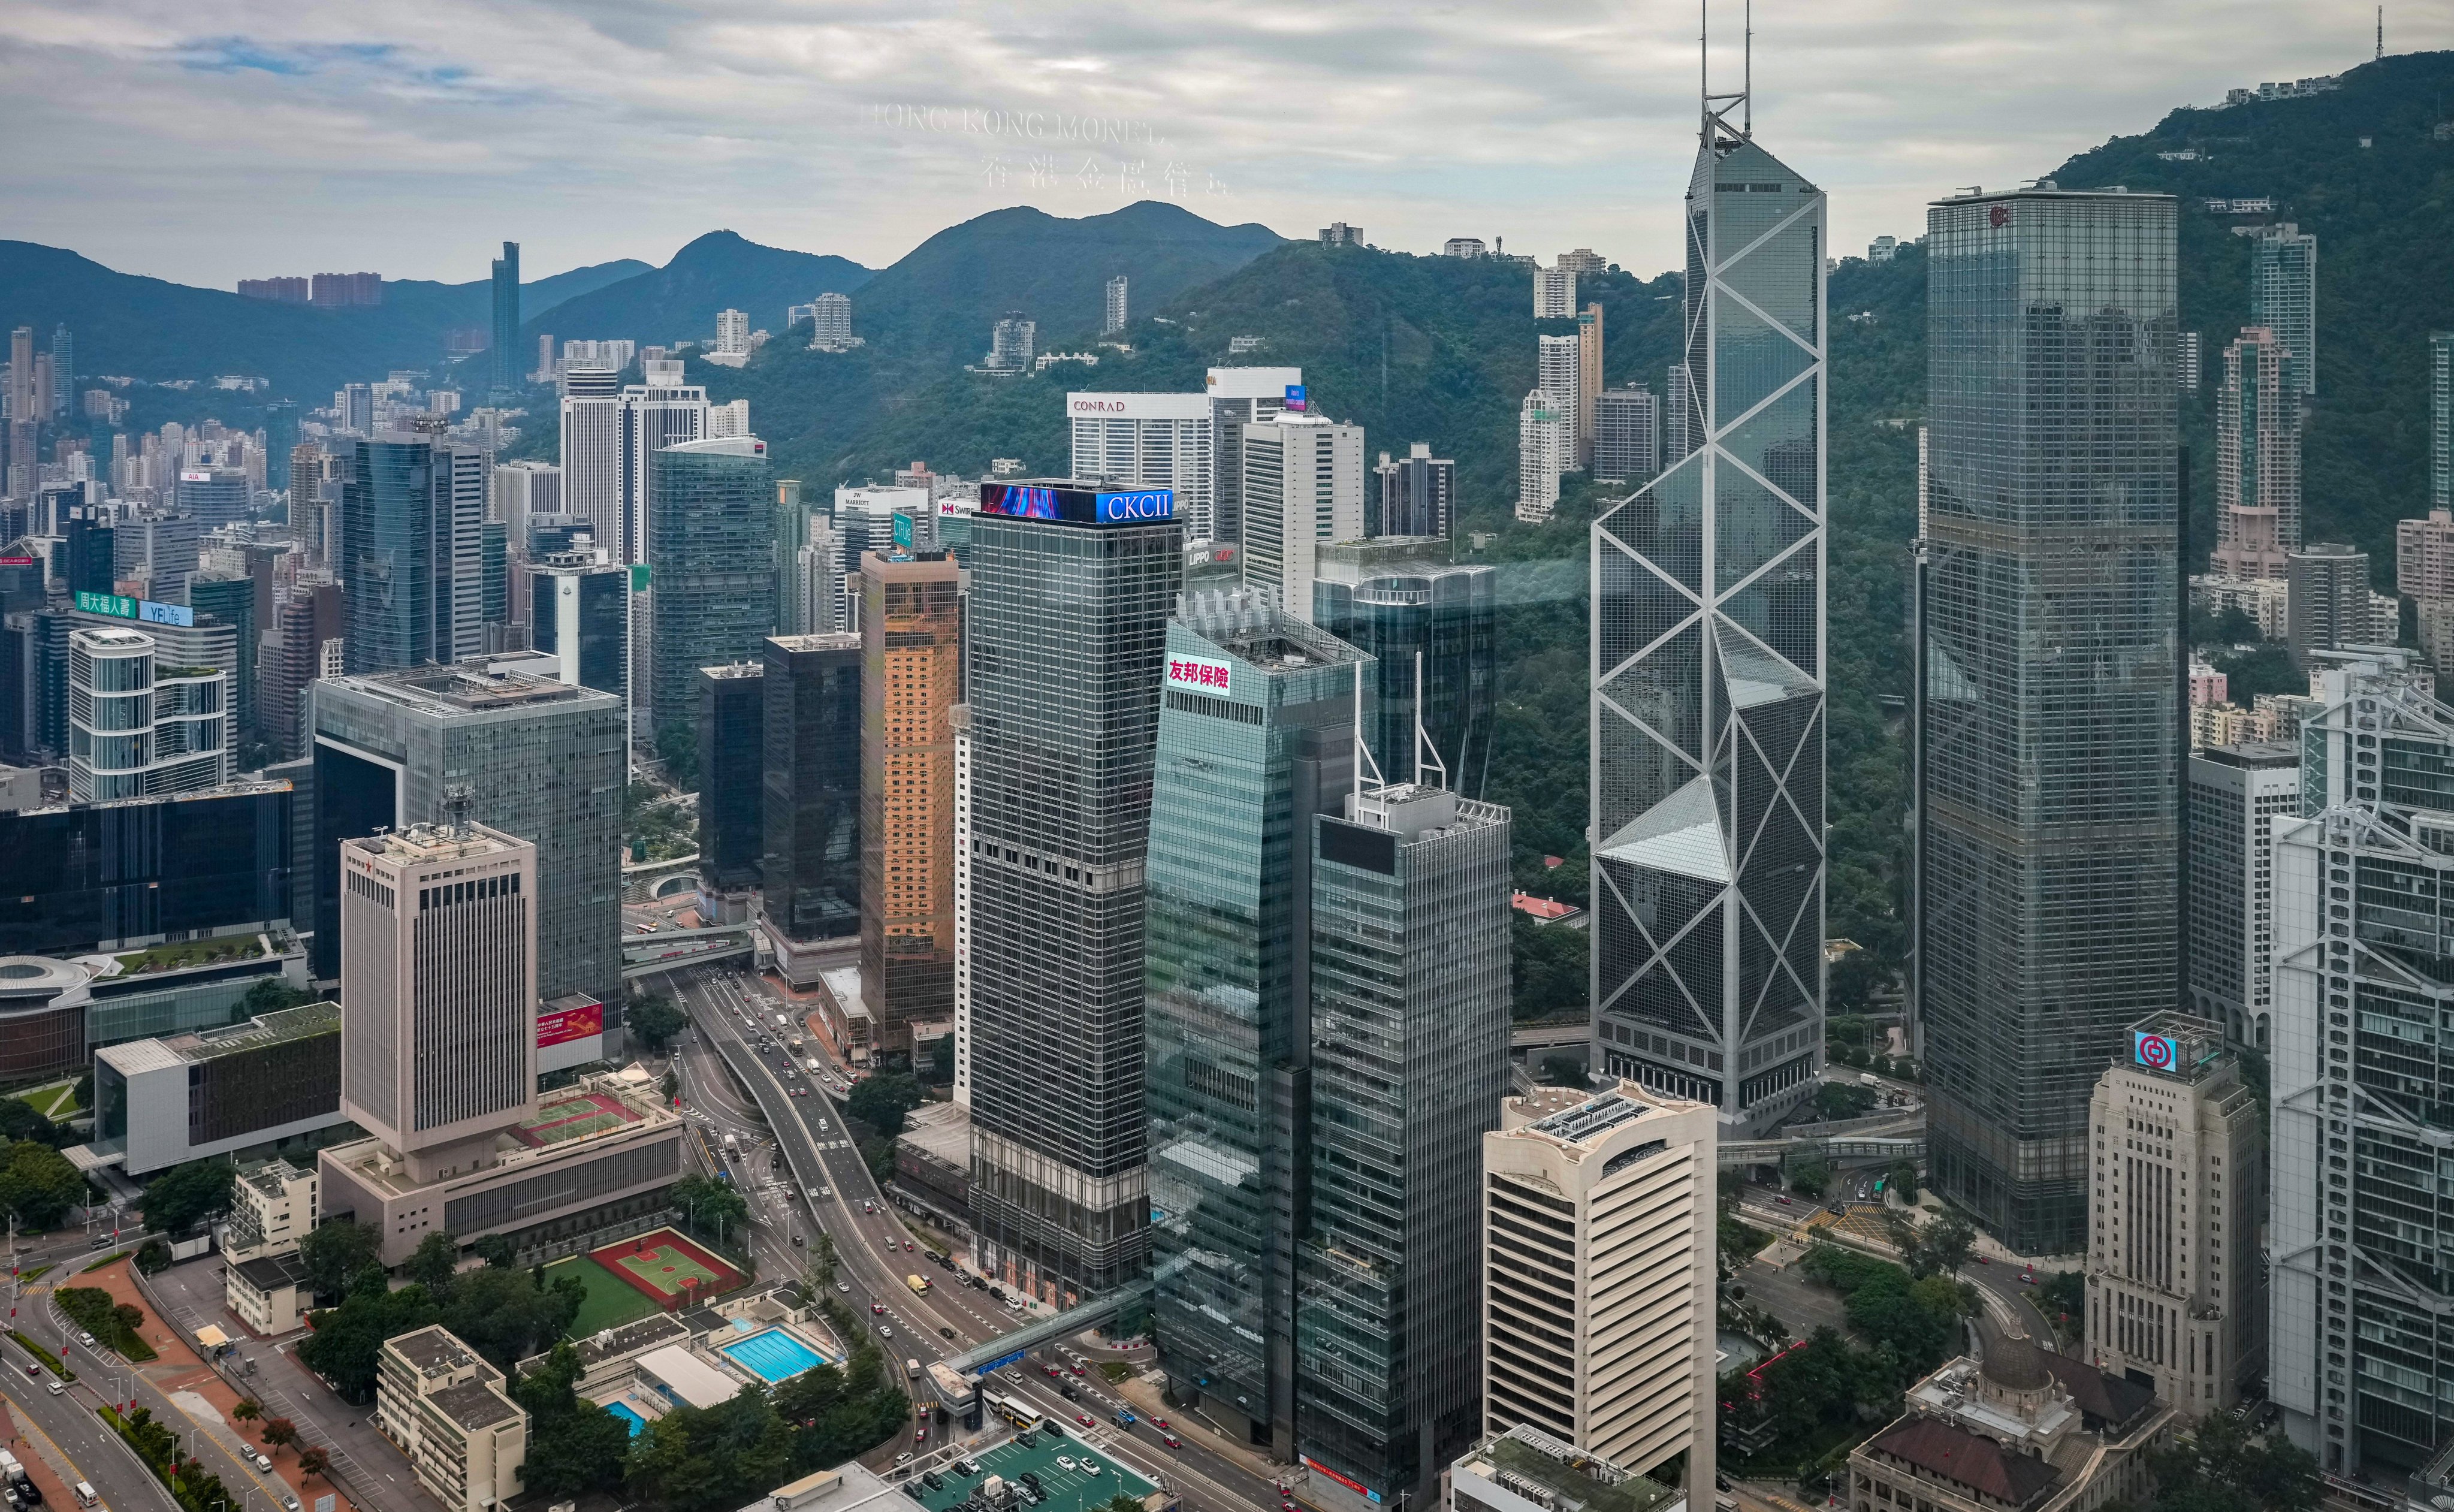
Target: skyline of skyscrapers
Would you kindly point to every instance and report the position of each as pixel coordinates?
(2258, 459)
(2284, 298)
(910, 678)
(811, 767)
(412, 505)
(503, 355)
(2047, 864)
(711, 519)
(1707, 694)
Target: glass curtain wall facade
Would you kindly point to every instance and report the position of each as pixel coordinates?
(812, 785)
(1066, 643)
(1708, 660)
(1410, 963)
(1256, 736)
(731, 790)
(411, 513)
(2047, 834)
(712, 518)
(2362, 1348)
(1399, 600)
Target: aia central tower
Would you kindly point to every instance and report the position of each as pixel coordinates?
(1708, 667)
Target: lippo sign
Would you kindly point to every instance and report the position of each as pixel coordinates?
(1194, 672)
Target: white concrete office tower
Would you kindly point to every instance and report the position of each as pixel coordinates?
(2258, 459)
(660, 412)
(438, 992)
(522, 488)
(830, 324)
(1541, 449)
(1627, 444)
(591, 455)
(1558, 371)
(2284, 298)
(2360, 1083)
(2189, 361)
(1116, 321)
(2176, 1289)
(2235, 791)
(1149, 440)
(1304, 487)
(1238, 396)
(1598, 1225)
(728, 419)
(1707, 651)
(1554, 294)
(138, 729)
(732, 332)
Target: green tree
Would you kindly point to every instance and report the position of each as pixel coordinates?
(1811, 1179)
(185, 1196)
(2224, 1464)
(1563, 1070)
(433, 1263)
(346, 1345)
(1838, 1099)
(272, 995)
(710, 1206)
(711, 1460)
(882, 1100)
(1547, 968)
(941, 1060)
(509, 1315)
(335, 1253)
(313, 1462)
(1902, 1179)
(19, 1120)
(153, 1256)
(574, 1445)
(495, 1250)
(655, 1020)
(38, 1184)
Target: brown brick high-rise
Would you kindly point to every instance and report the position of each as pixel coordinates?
(912, 636)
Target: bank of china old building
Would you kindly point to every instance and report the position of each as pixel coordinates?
(1708, 674)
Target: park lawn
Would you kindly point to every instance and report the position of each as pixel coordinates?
(56, 1102)
(611, 1301)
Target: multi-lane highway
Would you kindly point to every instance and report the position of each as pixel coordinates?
(730, 1015)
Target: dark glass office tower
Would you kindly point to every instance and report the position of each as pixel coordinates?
(1708, 674)
(1409, 1063)
(1256, 736)
(2047, 841)
(1399, 599)
(543, 761)
(504, 360)
(411, 511)
(731, 790)
(812, 810)
(580, 614)
(232, 602)
(712, 515)
(1066, 644)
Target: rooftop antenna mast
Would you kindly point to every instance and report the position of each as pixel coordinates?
(1719, 131)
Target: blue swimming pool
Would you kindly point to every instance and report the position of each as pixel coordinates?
(622, 1410)
(772, 1355)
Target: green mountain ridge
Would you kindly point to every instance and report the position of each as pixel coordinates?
(722, 270)
(152, 329)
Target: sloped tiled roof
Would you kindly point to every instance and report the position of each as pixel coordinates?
(1978, 1462)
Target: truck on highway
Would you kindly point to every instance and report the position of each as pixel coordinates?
(911, 1369)
(919, 1285)
(733, 1144)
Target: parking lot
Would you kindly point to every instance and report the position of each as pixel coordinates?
(1068, 1490)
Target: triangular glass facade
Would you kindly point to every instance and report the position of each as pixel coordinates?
(1708, 676)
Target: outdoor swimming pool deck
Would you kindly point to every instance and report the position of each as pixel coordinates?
(628, 1416)
(772, 1355)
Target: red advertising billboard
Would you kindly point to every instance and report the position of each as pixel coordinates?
(560, 1026)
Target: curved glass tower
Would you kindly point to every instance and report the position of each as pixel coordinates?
(1708, 672)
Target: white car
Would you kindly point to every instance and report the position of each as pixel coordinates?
(844, 1287)
(1065, 1462)
(1090, 1467)
(263, 1461)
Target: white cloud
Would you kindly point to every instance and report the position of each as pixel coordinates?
(206, 140)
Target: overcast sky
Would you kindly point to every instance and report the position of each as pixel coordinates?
(210, 140)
